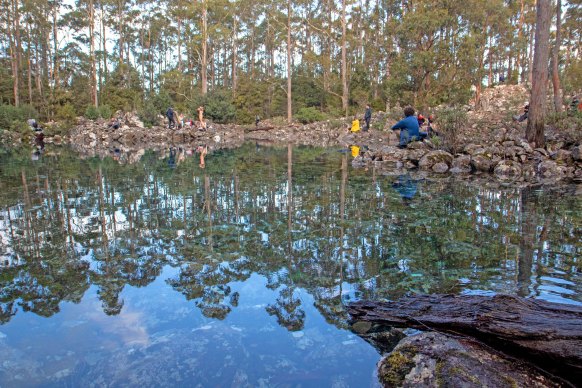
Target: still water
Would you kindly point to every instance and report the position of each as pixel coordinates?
(152, 271)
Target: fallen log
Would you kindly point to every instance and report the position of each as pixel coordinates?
(259, 129)
(548, 334)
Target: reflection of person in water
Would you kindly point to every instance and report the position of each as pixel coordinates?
(355, 151)
(406, 187)
(172, 157)
(202, 150)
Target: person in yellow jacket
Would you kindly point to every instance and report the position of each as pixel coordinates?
(355, 125)
(355, 151)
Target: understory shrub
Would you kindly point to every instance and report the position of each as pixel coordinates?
(309, 115)
(450, 122)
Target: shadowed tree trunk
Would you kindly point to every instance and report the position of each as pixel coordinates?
(556, 60)
(537, 105)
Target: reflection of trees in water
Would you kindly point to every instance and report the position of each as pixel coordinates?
(338, 234)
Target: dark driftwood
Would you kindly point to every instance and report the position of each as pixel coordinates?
(549, 334)
(259, 129)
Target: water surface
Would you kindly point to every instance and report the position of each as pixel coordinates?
(161, 273)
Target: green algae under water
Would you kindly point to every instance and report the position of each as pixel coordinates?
(160, 273)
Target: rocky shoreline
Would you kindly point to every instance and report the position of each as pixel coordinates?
(490, 145)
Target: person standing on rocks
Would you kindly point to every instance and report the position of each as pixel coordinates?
(367, 117)
(201, 117)
(407, 128)
(171, 118)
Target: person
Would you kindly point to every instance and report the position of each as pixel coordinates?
(203, 150)
(201, 117)
(355, 125)
(113, 123)
(39, 140)
(257, 119)
(355, 151)
(574, 105)
(523, 117)
(408, 128)
(367, 117)
(181, 120)
(171, 119)
(430, 130)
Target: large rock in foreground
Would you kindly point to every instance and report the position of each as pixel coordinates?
(436, 360)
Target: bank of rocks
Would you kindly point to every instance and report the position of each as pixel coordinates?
(96, 138)
(510, 158)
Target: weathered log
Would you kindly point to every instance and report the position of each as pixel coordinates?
(259, 129)
(549, 334)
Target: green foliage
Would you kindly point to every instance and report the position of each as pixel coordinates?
(11, 116)
(568, 124)
(218, 106)
(92, 112)
(105, 112)
(66, 113)
(123, 90)
(148, 114)
(251, 100)
(309, 115)
(450, 122)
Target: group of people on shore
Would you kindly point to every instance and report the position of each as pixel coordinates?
(178, 120)
(408, 129)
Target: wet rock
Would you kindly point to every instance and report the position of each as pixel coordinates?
(577, 153)
(440, 167)
(549, 169)
(461, 164)
(434, 157)
(563, 157)
(481, 163)
(507, 170)
(435, 360)
(361, 327)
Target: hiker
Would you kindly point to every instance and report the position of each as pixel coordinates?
(33, 124)
(367, 117)
(257, 119)
(408, 128)
(113, 123)
(200, 111)
(355, 125)
(171, 118)
(202, 150)
(523, 117)
(574, 105)
(181, 120)
(430, 130)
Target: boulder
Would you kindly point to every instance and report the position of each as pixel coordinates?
(563, 157)
(440, 167)
(434, 157)
(507, 170)
(461, 164)
(481, 163)
(577, 153)
(437, 360)
(549, 169)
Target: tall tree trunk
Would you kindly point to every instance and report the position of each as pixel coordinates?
(204, 62)
(556, 60)
(234, 55)
(92, 54)
(55, 74)
(29, 65)
(103, 42)
(519, 34)
(344, 61)
(289, 64)
(179, 44)
(120, 28)
(537, 105)
(13, 50)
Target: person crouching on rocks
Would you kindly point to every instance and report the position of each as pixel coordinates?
(522, 117)
(171, 118)
(408, 128)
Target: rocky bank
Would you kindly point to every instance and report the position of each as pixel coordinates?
(490, 144)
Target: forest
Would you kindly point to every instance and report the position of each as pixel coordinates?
(270, 58)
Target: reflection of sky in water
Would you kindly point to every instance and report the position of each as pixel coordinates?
(220, 277)
(157, 326)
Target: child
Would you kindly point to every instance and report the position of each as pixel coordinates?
(355, 125)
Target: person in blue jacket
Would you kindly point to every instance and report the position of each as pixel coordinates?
(409, 128)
